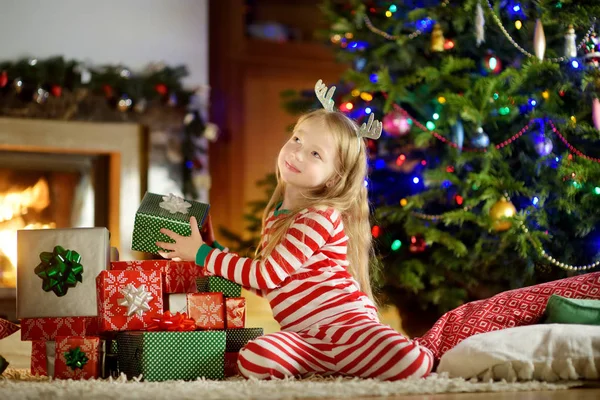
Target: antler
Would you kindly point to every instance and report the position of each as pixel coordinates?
(370, 129)
(325, 96)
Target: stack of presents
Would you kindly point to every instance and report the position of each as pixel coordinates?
(90, 317)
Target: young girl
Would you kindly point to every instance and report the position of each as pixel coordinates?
(313, 262)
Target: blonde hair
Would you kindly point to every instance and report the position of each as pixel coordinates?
(347, 194)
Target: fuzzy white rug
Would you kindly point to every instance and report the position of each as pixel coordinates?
(19, 384)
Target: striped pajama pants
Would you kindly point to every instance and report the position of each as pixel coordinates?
(367, 349)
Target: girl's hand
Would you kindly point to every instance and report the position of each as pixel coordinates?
(185, 247)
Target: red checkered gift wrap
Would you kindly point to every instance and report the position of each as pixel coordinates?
(127, 298)
(509, 309)
(77, 357)
(178, 276)
(207, 309)
(50, 328)
(38, 358)
(235, 308)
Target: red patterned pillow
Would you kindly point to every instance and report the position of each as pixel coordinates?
(517, 307)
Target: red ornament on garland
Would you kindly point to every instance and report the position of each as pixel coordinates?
(417, 244)
(56, 90)
(162, 89)
(396, 123)
(3, 79)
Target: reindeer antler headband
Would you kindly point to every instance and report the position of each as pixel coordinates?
(371, 129)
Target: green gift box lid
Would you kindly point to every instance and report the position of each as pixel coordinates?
(157, 211)
(218, 284)
(238, 338)
(161, 356)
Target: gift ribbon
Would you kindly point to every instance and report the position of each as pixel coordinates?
(174, 204)
(169, 322)
(76, 358)
(60, 270)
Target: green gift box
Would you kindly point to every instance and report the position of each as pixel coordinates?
(217, 284)
(161, 356)
(158, 211)
(238, 338)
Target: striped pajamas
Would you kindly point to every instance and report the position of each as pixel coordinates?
(328, 326)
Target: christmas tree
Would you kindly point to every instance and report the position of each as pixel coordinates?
(487, 176)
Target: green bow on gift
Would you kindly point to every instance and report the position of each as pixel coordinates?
(59, 270)
(76, 358)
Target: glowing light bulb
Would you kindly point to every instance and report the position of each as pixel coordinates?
(396, 245)
(518, 24)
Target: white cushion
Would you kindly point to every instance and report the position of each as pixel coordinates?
(548, 352)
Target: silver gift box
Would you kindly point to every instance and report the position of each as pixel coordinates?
(32, 301)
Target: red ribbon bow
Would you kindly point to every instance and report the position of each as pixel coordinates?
(169, 322)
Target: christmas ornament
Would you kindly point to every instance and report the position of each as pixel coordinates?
(458, 134)
(174, 204)
(539, 40)
(124, 73)
(56, 90)
(18, 85)
(140, 106)
(437, 38)
(161, 89)
(76, 358)
(543, 145)
(596, 113)
(491, 63)
(396, 123)
(502, 209)
(570, 45)
(40, 95)
(417, 244)
(135, 299)
(592, 55)
(59, 270)
(3, 79)
(448, 44)
(108, 91)
(481, 139)
(479, 25)
(124, 104)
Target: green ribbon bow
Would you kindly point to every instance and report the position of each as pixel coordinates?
(59, 270)
(76, 358)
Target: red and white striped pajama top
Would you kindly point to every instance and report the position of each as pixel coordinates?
(328, 326)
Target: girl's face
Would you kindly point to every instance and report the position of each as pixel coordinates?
(307, 160)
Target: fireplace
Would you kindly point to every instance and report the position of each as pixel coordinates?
(56, 174)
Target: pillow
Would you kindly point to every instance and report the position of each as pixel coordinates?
(548, 352)
(561, 310)
(509, 309)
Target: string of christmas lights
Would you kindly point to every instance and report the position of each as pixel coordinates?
(498, 21)
(386, 35)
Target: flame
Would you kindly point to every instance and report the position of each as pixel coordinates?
(13, 206)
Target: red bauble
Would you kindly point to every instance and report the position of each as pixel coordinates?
(56, 90)
(417, 244)
(162, 89)
(3, 79)
(396, 123)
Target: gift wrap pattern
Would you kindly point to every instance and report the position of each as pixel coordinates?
(217, 284)
(161, 356)
(178, 276)
(238, 338)
(50, 328)
(151, 217)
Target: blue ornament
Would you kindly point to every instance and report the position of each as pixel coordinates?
(481, 140)
(458, 134)
(543, 145)
(360, 63)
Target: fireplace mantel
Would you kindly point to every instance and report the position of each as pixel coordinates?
(125, 145)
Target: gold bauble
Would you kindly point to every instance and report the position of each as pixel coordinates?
(502, 209)
(437, 38)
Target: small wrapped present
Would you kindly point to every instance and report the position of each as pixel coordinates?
(127, 298)
(57, 269)
(161, 356)
(171, 212)
(231, 367)
(7, 328)
(217, 284)
(178, 276)
(49, 328)
(238, 338)
(108, 362)
(207, 309)
(38, 358)
(76, 357)
(235, 309)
